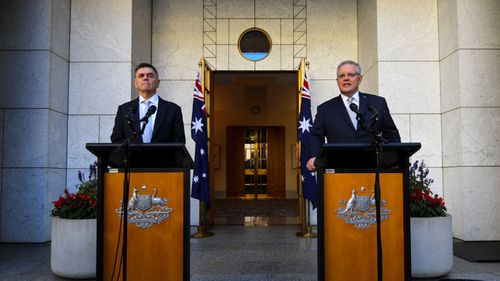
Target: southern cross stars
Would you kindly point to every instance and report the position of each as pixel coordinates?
(305, 124)
(197, 179)
(313, 174)
(197, 125)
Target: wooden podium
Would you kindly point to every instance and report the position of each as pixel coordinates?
(158, 211)
(347, 229)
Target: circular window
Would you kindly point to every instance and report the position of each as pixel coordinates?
(254, 44)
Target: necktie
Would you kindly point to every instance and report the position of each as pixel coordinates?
(148, 130)
(352, 114)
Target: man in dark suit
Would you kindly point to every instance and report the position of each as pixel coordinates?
(338, 122)
(164, 124)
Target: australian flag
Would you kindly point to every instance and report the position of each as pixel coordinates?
(200, 187)
(305, 123)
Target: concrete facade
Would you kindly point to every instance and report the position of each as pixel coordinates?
(436, 62)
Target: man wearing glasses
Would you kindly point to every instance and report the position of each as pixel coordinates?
(347, 118)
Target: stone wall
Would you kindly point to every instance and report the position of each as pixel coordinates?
(34, 51)
(67, 65)
(470, 65)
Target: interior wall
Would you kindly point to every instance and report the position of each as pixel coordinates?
(234, 96)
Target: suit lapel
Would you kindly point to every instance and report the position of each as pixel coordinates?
(134, 105)
(133, 111)
(135, 115)
(161, 111)
(363, 105)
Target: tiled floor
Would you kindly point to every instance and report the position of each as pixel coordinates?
(234, 253)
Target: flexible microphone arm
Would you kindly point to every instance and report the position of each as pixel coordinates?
(145, 119)
(132, 124)
(359, 116)
(151, 111)
(375, 114)
(378, 138)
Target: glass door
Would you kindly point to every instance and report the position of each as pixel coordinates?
(255, 159)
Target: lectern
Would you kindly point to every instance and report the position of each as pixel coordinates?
(347, 226)
(157, 211)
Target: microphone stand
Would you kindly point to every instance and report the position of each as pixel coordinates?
(143, 126)
(378, 143)
(126, 187)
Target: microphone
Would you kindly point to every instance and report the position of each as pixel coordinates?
(377, 135)
(131, 121)
(151, 111)
(355, 108)
(373, 110)
(359, 116)
(375, 114)
(130, 113)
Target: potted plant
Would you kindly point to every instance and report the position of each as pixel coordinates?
(431, 232)
(74, 230)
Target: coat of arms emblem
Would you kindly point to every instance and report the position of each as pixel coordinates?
(359, 210)
(144, 210)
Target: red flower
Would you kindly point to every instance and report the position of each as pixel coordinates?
(60, 202)
(81, 204)
(423, 203)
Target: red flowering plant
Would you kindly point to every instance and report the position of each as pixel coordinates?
(423, 202)
(81, 204)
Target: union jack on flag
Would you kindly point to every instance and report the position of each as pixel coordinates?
(305, 123)
(200, 188)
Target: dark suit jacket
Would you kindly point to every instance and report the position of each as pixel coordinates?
(168, 127)
(333, 122)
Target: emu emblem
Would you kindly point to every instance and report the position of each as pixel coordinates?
(144, 210)
(360, 210)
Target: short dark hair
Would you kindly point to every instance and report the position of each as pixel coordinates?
(145, 64)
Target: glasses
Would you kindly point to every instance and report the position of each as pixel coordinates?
(348, 75)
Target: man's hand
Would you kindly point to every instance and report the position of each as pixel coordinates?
(310, 164)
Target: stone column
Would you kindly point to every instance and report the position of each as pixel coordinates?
(398, 51)
(469, 51)
(108, 38)
(34, 50)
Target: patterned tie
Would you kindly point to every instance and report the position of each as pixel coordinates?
(352, 114)
(148, 130)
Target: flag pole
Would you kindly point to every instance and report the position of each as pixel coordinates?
(305, 176)
(201, 169)
(302, 211)
(307, 231)
(201, 233)
(305, 214)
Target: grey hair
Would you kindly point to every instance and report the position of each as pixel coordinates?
(358, 67)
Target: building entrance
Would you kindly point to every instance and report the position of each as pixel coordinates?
(253, 135)
(255, 159)
(259, 162)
